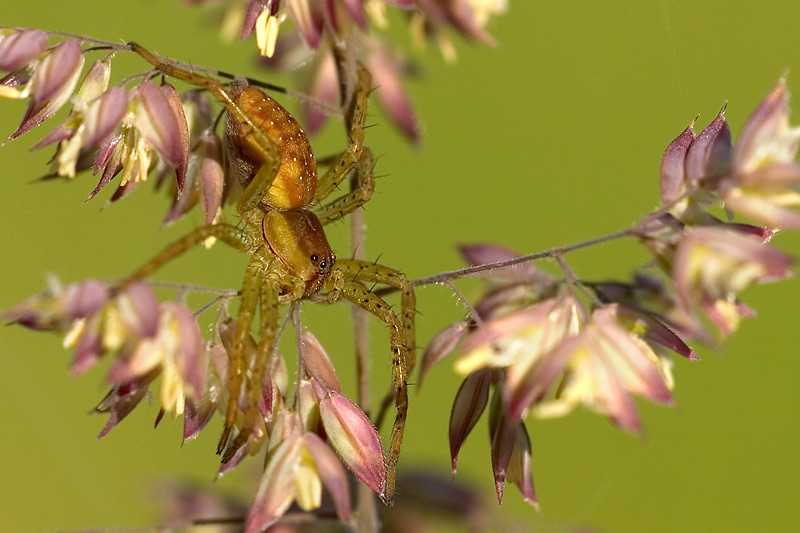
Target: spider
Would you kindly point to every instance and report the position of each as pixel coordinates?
(283, 215)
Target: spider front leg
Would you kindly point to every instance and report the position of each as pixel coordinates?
(251, 287)
(264, 145)
(226, 233)
(367, 271)
(215, 87)
(346, 279)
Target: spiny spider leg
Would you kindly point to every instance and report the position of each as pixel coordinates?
(247, 308)
(237, 239)
(268, 291)
(226, 233)
(270, 317)
(255, 190)
(346, 278)
(348, 203)
(356, 118)
(372, 272)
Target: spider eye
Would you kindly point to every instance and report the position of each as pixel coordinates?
(314, 258)
(323, 264)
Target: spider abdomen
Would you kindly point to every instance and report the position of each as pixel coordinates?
(295, 184)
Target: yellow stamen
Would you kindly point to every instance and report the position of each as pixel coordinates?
(376, 10)
(266, 33)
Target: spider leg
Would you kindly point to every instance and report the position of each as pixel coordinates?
(237, 239)
(268, 308)
(348, 275)
(348, 203)
(258, 187)
(355, 119)
(215, 87)
(226, 233)
(371, 272)
(247, 308)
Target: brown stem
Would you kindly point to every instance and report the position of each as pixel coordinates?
(188, 287)
(569, 275)
(572, 280)
(323, 105)
(473, 271)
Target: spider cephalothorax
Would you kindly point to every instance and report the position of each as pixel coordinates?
(283, 213)
(296, 237)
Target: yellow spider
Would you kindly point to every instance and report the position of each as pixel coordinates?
(283, 217)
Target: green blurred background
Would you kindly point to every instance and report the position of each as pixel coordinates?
(552, 137)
